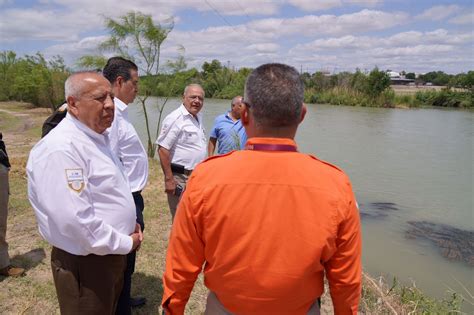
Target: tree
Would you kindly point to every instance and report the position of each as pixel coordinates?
(211, 68)
(377, 82)
(135, 34)
(92, 62)
(320, 81)
(32, 79)
(436, 77)
(410, 75)
(7, 75)
(359, 81)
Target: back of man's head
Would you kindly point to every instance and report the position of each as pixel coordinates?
(275, 94)
(118, 66)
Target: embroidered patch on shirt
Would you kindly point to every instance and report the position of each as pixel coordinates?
(75, 179)
(164, 129)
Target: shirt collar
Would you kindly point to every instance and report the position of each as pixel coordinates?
(120, 105)
(227, 115)
(185, 112)
(102, 138)
(284, 141)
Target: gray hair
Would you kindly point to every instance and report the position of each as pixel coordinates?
(275, 93)
(191, 86)
(75, 87)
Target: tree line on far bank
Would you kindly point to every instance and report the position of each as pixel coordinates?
(34, 79)
(345, 88)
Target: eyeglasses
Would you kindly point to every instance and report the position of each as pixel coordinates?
(195, 97)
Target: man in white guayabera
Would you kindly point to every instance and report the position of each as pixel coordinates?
(82, 200)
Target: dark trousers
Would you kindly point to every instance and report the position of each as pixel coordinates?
(87, 284)
(124, 307)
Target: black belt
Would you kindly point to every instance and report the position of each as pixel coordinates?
(176, 168)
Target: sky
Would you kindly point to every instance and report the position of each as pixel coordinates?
(311, 35)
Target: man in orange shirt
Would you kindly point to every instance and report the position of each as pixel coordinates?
(267, 222)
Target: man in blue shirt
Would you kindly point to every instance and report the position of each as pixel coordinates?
(228, 132)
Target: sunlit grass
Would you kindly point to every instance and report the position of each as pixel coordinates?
(8, 122)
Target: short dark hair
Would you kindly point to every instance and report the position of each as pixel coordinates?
(275, 93)
(118, 66)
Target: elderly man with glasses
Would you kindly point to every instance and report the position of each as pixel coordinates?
(182, 144)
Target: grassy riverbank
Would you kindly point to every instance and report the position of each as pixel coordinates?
(35, 293)
(394, 97)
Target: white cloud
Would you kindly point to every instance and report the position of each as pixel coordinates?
(329, 41)
(168, 7)
(238, 7)
(413, 50)
(364, 3)
(312, 25)
(264, 48)
(438, 37)
(312, 5)
(463, 19)
(239, 44)
(16, 24)
(73, 50)
(369, 20)
(319, 5)
(439, 12)
(345, 42)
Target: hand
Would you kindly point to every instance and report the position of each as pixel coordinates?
(137, 237)
(136, 241)
(170, 185)
(138, 229)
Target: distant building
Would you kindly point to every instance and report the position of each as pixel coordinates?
(397, 79)
(393, 74)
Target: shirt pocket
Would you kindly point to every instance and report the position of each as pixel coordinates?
(190, 136)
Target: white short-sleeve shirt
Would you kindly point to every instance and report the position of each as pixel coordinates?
(79, 191)
(183, 135)
(127, 146)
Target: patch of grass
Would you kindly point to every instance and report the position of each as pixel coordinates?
(16, 106)
(380, 298)
(8, 122)
(34, 131)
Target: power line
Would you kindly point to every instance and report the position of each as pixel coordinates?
(220, 15)
(243, 9)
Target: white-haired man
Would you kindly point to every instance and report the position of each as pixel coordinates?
(82, 200)
(182, 143)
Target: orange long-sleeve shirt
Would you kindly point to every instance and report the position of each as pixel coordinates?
(267, 225)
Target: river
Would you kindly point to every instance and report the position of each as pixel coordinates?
(417, 164)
